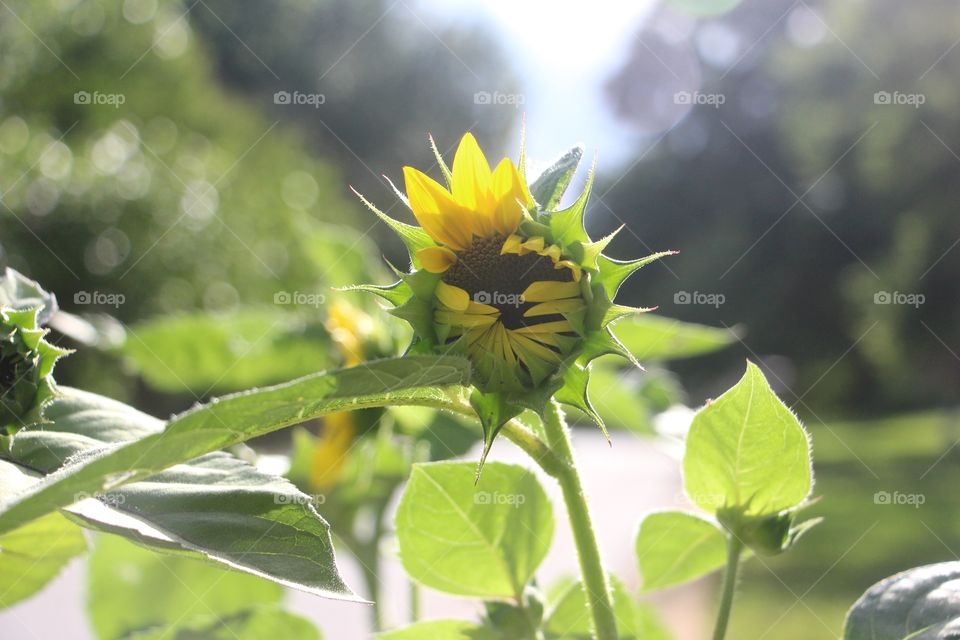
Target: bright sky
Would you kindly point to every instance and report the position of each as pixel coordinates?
(563, 52)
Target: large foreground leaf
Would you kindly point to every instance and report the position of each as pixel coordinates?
(215, 505)
(484, 539)
(233, 419)
(919, 604)
(747, 452)
(675, 547)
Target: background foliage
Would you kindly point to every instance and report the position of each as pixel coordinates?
(201, 197)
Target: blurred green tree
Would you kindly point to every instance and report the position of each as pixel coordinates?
(802, 197)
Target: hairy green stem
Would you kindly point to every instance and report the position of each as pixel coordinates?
(734, 549)
(543, 455)
(594, 577)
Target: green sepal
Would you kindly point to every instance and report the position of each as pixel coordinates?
(522, 156)
(586, 254)
(529, 227)
(618, 311)
(418, 308)
(576, 379)
(493, 410)
(766, 535)
(550, 185)
(414, 238)
(511, 620)
(396, 293)
(604, 343)
(566, 226)
(447, 176)
(613, 273)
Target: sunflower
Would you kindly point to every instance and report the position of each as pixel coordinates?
(501, 276)
(502, 294)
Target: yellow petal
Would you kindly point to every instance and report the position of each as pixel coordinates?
(452, 297)
(508, 193)
(461, 319)
(437, 211)
(545, 290)
(511, 244)
(526, 346)
(568, 264)
(437, 259)
(552, 252)
(534, 244)
(555, 306)
(482, 309)
(555, 326)
(471, 182)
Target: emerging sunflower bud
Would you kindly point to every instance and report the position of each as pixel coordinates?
(516, 287)
(26, 362)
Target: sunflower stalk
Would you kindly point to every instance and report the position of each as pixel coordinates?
(596, 585)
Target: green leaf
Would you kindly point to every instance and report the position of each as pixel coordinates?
(484, 540)
(567, 618)
(653, 337)
(918, 604)
(550, 185)
(442, 630)
(675, 547)
(747, 452)
(236, 418)
(33, 555)
(206, 352)
(141, 594)
(255, 623)
(215, 505)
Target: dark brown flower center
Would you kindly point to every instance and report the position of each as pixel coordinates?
(500, 280)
